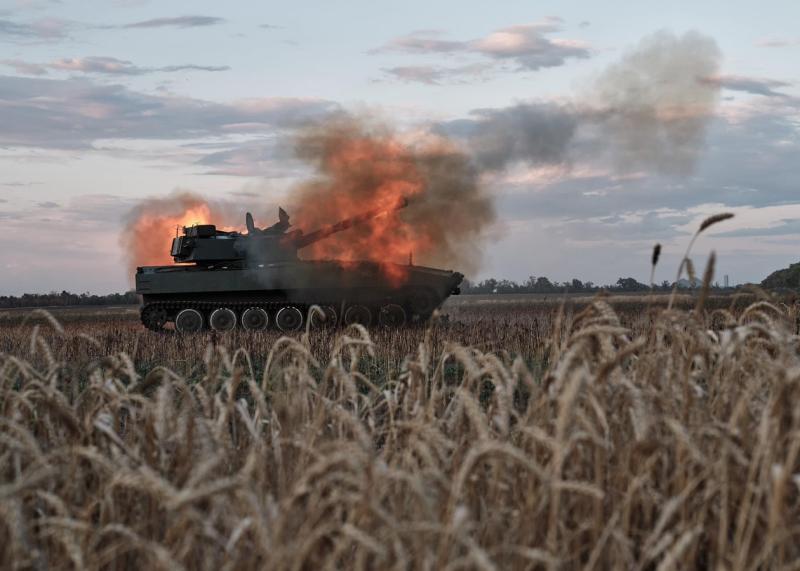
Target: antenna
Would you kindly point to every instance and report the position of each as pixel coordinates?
(410, 258)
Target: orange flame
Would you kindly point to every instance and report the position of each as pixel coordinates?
(362, 172)
(152, 226)
(155, 233)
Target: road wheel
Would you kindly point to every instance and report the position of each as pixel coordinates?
(154, 317)
(358, 314)
(289, 319)
(392, 315)
(222, 319)
(189, 321)
(327, 320)
(255, 319)
(422, 302)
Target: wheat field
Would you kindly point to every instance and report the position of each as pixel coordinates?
(662, 443)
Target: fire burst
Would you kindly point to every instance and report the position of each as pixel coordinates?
(152, 227)
(358, 172)
(359, 168)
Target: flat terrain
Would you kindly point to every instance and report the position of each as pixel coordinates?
(458, 304)
(510, 325)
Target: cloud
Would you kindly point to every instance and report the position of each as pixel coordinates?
(423, 42)
(101, 65)
(784, 227)
(268, 158)
(48, 204)
(752, 85)
(778, 43)
(434, 75)
(177, 22)
(630, 226)
(74, 113)
(40, 30)
(417, 74)
(192, 67)
(25, 68)
(107, 65)
(57, 29)
(527, 46)
(17, 184)
(243, 160)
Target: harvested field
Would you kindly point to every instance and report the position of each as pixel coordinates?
(513, 435)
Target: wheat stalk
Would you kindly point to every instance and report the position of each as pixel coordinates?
(526, 435)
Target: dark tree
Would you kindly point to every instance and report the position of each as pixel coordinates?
(630, 284)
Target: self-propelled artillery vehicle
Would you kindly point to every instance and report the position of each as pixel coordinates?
(255, 280)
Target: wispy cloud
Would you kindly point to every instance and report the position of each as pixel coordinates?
(778, 42)
(262, 158)
(437, 75)
(177, 22)
(74, 113)
(57, 29)
(101, 65)
(752, 85)
(784, 227)
(18, 184)
(529, 47)
(423, 42)
(24, 67)
(190, 67)
(41, 30)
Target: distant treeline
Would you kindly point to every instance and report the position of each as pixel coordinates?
(491, 285)
(66, 298)
(545, 285)
(787, 278)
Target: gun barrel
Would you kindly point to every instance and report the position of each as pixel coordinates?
(304, 240)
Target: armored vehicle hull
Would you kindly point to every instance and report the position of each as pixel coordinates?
(227, 279)
(280, 294)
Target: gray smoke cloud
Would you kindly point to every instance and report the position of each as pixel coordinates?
(650, 110)
(361, 164)
(655, 104)
(536, 133)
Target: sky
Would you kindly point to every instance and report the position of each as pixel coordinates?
(106, 103)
